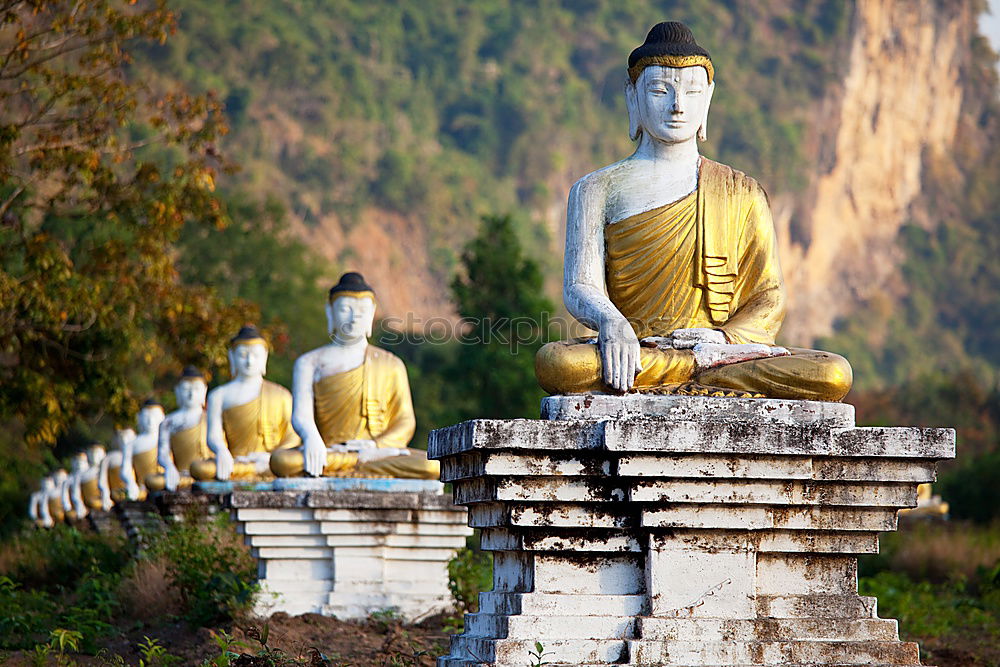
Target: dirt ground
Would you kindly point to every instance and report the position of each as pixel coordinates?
(314, 639)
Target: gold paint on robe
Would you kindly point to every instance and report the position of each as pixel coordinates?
(707, 260)
(115, 484)
(370, 402)
(144, 463)
(189, 445)
(56, 510)
(262, 425)
(91, 493)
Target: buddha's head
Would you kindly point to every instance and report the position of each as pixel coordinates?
(350, 309)
(670, 84)
(150, 416)
(247, 354)
(123, 435)
(49, 483)
(95, 454)
(59, 476)
(80, 462)
(191, 389)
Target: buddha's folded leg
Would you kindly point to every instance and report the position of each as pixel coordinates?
(805, 375)
(155, 482)
(203, 470)
(292, 463)
(574, 367)
(415, 465)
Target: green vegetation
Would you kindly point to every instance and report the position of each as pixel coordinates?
(93, 585)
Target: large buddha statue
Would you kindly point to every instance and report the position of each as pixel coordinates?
(182, 438)
(672, 258)
(54, 498)
(248, 417)
(139, 453)
(109, 477)
(352, 404)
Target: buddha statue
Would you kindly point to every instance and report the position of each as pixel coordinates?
(139, 453)
(352, 405)
(37, 510)
(54, 498)
(672, 258)
(89, 487)
(248, 417)
(182, 438)
(73, 504)
(109, 477)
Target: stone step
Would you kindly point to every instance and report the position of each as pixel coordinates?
(757, 517)
(546, 627)
(560, 604)
(772, 629)
(726, 653)
(796, 492)
(816, 606)
(572, 651)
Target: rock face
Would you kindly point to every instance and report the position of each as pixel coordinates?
(898, 106)
(647, 530)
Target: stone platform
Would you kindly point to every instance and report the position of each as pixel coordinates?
(353, 548)
(668, 530)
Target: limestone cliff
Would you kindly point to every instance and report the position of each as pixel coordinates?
(897, 107)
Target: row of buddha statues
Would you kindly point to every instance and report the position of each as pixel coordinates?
(671, 258)
(349, 413)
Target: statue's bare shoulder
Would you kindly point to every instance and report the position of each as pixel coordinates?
(591, 194)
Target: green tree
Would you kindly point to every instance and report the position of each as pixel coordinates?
(97, 177)
(500, 298)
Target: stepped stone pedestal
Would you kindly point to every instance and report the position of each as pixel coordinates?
(670, 530)
(350, 547)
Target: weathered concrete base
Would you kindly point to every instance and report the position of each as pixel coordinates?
(349, 553)
(718, 532)
(140, 520)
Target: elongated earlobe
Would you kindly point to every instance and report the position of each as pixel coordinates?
(703, 128)
(632, 105)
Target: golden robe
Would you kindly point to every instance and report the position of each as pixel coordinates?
(189, 445)
(56, 510)
(144, 464)
(115, 484)
(91, 493)
(262, 425)
(707, 260)
(369, 402)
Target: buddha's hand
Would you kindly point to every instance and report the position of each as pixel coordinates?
(132, 490)
(172, 477)
(359, 445)
(223, 464)
(314, 455)
(620, 354)
(687, 338)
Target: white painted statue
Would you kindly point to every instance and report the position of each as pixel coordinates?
(351, 400)
(72, 498)
(36, 504)
(88, 483)
(248, 417)
(139, 453)
(109, 479)
(182, 438)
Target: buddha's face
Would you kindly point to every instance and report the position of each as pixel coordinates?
(350, 318)
(190, 393)
(670, 103)
(80, 462)
(95, 454)
(248, 361)
(149, 418)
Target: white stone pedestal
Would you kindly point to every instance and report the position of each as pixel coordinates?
(668, 530)
(351, 552)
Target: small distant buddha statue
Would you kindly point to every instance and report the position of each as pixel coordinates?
(352, 404)
(37, 511)
(182, 438)
(672, 258)
(73, 504)
(109, 478)
(139, 454)
(89, 480)
(248, 417)
(54, 498)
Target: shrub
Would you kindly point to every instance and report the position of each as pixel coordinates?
(57, 559)
(469, 573)
(210, 567)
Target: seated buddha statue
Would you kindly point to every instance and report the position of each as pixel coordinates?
(352, 404)
(248, 417)
(672, 259)
(37, 510)
(139, 453)
(182, 436)
(109, 478)
(54, 498)
(87, 487)
(73, 504)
